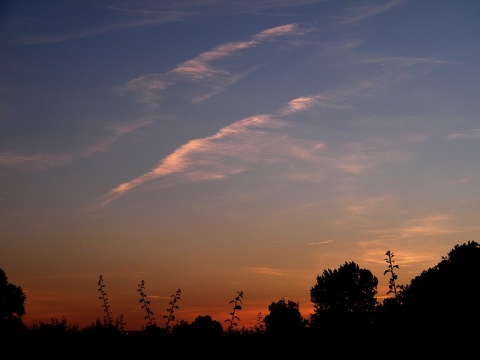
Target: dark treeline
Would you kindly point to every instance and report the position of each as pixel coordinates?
(441, 303)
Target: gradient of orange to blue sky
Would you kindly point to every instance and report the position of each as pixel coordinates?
(225, 146)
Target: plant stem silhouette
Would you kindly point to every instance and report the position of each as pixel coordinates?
(170, 317)
(236, 306)
(120, 323)
(146, 304)
(105, 305)
(392, 286)
(260, 325)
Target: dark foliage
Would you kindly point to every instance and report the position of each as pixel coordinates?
(344, 299)
(204, 326)
(438, 309)
(285, 319)
(12, 306)
(446, 297)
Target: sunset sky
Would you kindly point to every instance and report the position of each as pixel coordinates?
(219, 146)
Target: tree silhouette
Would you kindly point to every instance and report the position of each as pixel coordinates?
(446, 297)
(344, 299)
(12, 305)
(284, 319)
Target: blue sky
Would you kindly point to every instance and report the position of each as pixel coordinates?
(225, 146)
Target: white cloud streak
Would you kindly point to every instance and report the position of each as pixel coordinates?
(266, 271)
(216, 157)
(465, 135)
(254, 140)
(262, 138)
(45, 160)
(209, 71)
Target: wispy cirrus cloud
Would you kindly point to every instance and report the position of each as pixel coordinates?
(405, 257)
(363, 12)
(399, 69)
(405, 238)
(264, 139)
(465, 135)
(147, 19)
(455, 181)
(227, 152)
(46, 160)
(267, 271)
(427, 226)
(321, 242)
(209, 73)
(123, 15)
(421, 226)
(33, 161)
(211, 7)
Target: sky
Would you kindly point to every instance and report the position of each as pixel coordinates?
(218, 146)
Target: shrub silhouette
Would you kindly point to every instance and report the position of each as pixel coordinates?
(284, 319)
(205, 326)
(102, 329)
